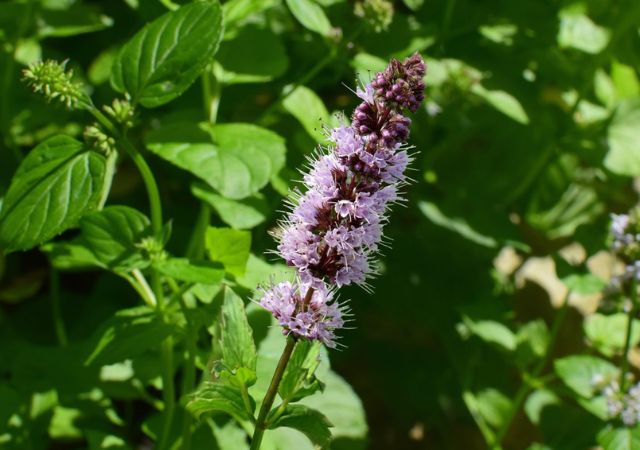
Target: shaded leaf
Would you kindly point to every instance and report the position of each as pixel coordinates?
(254, 55)
(112, 235)
(128, 333)
(215, 397)
(308, 421)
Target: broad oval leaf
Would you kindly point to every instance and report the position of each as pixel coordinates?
(112, 236)
(255, 55)
(578, 31)
(607, 333)
(239, 214)
(310, 15)
(164, 58)
(312, 423)
(57, 183)
(238, 348)
(622, 438)
(191, 271)
(215, 397)
(236, 159)
(623, 157)
(309, 109)
(229, 247)
(578, 372)
(129, 333)
(503, 102)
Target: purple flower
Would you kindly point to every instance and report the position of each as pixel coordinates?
(335, 226)
(304, 311)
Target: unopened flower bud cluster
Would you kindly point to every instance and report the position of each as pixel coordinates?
(51, 79)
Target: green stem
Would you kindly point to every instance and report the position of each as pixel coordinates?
(624, 367)
(211, 92)
(526, 386)
(189, 376)
(309, 75)
(471, 402)
(270, 396)
(195, 248)
(155, 206)
(56, 312)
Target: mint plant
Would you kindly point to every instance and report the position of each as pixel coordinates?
(198, 249)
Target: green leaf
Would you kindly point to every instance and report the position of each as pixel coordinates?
(253, 56)
(623, 157)
(236, 11)
(309, 109)
(578, 31)
(608, 333)
(190, 271)
(216, 397)
(128, 333)
(259, 272)
(164, 58)
(341, 405)
(309, 421)
(229, 247)
(578, 372)
(532, 341)
(55, 185)
(299, 379)
(537, 401)
(584, 284)
(457, 225)
(503, 102)
(310, 15)
(239, 214)
(625, 80)
(413, 5)
(74, 255)
(492, 332)
(238, 348)
(494, 406)
(235, 159)
(623, 438)
(112, 235)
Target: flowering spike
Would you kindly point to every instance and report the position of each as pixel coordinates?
(51, 79)
(625, 242)
(335, 227)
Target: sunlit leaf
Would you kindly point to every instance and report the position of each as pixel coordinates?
(164, 58)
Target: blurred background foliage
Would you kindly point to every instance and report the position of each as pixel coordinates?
(530, 137)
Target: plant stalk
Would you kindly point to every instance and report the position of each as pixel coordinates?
(624, 367)
(270, 396)
(56, 312)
